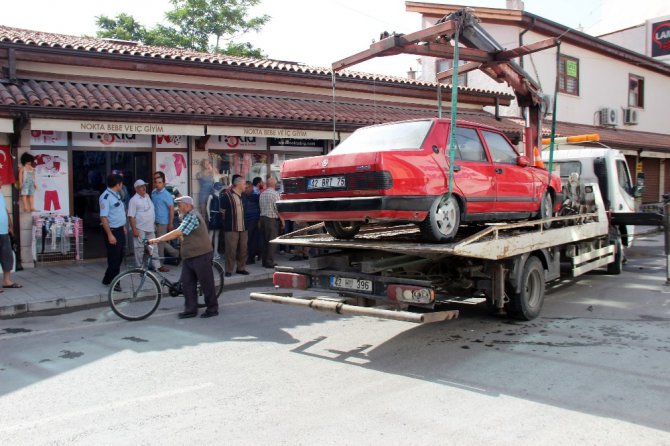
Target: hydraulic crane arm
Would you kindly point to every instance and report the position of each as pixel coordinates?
(481, 50)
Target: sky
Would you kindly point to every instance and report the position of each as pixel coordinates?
(320, 32)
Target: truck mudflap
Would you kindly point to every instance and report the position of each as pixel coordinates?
(339, 307)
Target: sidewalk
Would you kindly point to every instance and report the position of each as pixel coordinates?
(78, 284)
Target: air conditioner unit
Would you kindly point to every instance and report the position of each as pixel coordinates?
(629, 116)
(608, 116)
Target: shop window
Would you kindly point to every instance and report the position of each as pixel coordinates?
(444, 65)
(635, 91)
(249, 165)
(568, 75)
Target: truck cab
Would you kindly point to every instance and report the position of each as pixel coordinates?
(606, 166)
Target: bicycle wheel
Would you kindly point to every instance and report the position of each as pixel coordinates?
(134, 295)
(217, 272)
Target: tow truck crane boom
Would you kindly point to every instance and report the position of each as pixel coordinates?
(483, 53)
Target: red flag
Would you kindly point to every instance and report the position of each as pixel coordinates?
(6, 166)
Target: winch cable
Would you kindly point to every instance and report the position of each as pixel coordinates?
(334, 110)
(553, 113)
(454, 102)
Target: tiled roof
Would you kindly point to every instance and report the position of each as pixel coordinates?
(194, 104)
(116, 47)
(617, 138)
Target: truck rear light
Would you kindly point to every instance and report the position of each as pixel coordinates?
(290, 280)
(410, 294)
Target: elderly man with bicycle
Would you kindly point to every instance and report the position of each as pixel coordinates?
(196, 253)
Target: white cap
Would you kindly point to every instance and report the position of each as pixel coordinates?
(184, 199)
(139, 183)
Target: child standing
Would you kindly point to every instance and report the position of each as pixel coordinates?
(27, 182)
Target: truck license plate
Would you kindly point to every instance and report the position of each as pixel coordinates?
(346, 283)
(326, 183)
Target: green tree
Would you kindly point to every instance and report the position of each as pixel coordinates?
(201, 25)
(124, 27)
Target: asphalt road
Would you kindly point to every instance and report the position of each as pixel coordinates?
(593, 369)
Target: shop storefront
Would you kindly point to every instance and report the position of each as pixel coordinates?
(72, 166)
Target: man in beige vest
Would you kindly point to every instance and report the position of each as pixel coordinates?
(197, 253)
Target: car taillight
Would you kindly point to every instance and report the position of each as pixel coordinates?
(379, 180)
(293, 185)
(290, 280)
(410, 294)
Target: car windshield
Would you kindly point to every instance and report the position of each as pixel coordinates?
(383, 138)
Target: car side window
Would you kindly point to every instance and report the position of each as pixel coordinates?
(501, 150)
(468, 146)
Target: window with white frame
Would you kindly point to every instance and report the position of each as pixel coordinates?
(635, 91)
(568, 75)
(444, 65)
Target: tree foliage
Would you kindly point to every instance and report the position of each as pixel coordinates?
(201, 25)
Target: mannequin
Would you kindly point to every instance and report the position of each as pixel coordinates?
(214, 218)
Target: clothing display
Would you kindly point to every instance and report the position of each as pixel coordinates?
(57, 237)
(51, 201)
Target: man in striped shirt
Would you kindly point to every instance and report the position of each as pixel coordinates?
(234, 232)
(270, 221)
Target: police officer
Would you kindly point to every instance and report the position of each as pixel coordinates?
(113, 219)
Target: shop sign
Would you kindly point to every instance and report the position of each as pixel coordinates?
(660, 38)
(48, 138)
(297, 145)
(172, 141)
(109, 127)
(231, 142)
(268, 132)
(110, 140)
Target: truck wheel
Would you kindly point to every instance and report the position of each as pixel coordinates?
(443, 220)
(342, 229)
(527, 303)
(546, 209)
(615, 239)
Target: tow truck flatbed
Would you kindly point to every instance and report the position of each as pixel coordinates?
(495, 242)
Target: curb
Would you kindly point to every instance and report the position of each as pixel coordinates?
(35, 308)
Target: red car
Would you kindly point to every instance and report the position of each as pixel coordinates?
(399, 172)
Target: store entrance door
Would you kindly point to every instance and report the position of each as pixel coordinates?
(90, 180)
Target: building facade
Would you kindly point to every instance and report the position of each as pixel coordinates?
(603, 88)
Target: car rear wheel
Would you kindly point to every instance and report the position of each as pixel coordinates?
(443, 220)
(343, 229)
(546, 209)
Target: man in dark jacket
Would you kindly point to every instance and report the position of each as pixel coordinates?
(252, 216)
(234, 231)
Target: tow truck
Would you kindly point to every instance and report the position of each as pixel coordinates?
(387, 272)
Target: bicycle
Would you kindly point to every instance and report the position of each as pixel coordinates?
(135, 294)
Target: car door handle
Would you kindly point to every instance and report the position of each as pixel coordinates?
(457, 168)
(499, 170)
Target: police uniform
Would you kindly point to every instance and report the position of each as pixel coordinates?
(111, 206)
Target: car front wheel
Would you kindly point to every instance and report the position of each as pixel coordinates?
(443, 220)
(342, 229)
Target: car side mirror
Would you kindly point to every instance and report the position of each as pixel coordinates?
(522, 161)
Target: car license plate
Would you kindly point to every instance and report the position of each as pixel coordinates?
(347, 283)
(326, 183)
